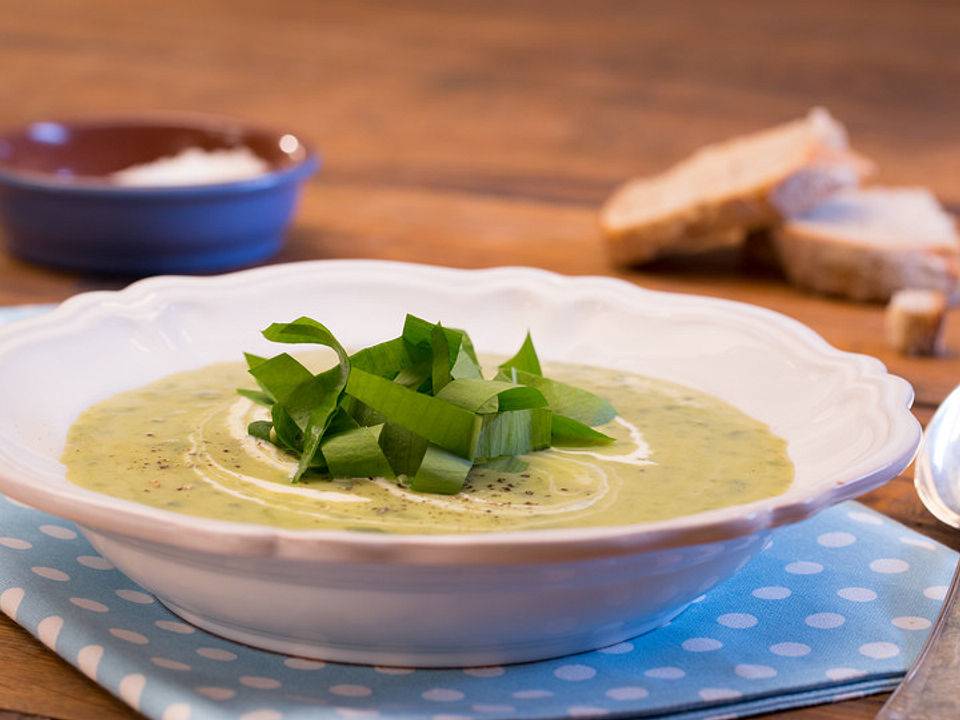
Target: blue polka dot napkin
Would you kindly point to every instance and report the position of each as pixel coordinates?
(836, 607)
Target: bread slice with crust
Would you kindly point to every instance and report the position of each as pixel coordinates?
(736, 186)
(866, 244)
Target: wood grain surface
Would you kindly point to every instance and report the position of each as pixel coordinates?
(476, 134)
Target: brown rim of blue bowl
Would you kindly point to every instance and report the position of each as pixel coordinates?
(77, 156)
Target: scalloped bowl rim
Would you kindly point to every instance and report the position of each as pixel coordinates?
(19, 475)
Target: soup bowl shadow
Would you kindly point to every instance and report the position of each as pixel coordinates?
(441, 600)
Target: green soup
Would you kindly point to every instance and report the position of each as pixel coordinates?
(181, 444)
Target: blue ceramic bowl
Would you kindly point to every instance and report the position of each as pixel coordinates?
(61, 206)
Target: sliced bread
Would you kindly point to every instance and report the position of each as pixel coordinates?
(738, 186)
(865, 244)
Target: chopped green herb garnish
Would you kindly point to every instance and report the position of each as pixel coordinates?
(415, 407)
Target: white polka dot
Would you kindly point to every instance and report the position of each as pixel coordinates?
(216, 654)
(919, 542)
(586, 711)
(88, 660)
(304, 664)
(889, 566)
(712, 694)
(175, 627)
(790, 649)
(666, 673)
(911, 623)
(393, 670)
(50, 573)
(215, 693)
(177, 711)
(738, 621)
(701, 644)
(135, 596)
(618, 649)
(58, 531)
(825, 620)
(95, 562)
(91, 605)
(447, 716)
(772, 592)
(755, 672)
(260, 683)
(130, 636)
(351, 690)
(630, 692)
(865, 518)
(262, 714)
(574, 673)
(489, 708)
(879, 650)
(442, 695)
(130, 690)
(15, 543)
(836, 539)
(935, 592)
(844, 673)
(49, 629)
(484, 672)
(357, 712)
(532, 694)
(804, 567)
(857, 594)
(170, 664)
(10, 600)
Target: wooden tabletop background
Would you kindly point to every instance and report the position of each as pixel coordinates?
(476, 134)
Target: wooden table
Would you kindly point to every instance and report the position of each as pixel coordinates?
(475, 134)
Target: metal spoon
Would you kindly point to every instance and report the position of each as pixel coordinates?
(930, 690)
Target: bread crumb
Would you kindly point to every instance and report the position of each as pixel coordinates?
(914, 321)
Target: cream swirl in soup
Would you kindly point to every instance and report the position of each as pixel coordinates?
(181, 444)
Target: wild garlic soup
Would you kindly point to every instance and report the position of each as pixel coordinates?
(182, 444)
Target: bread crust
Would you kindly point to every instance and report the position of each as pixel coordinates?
(903, 239)
(861, 272)
(698, 228)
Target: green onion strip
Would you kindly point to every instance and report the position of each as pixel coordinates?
(415, 408)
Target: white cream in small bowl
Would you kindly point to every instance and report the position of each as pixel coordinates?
(194, 166)
(442, 600)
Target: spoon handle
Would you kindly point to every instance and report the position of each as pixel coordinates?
(929, 691)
